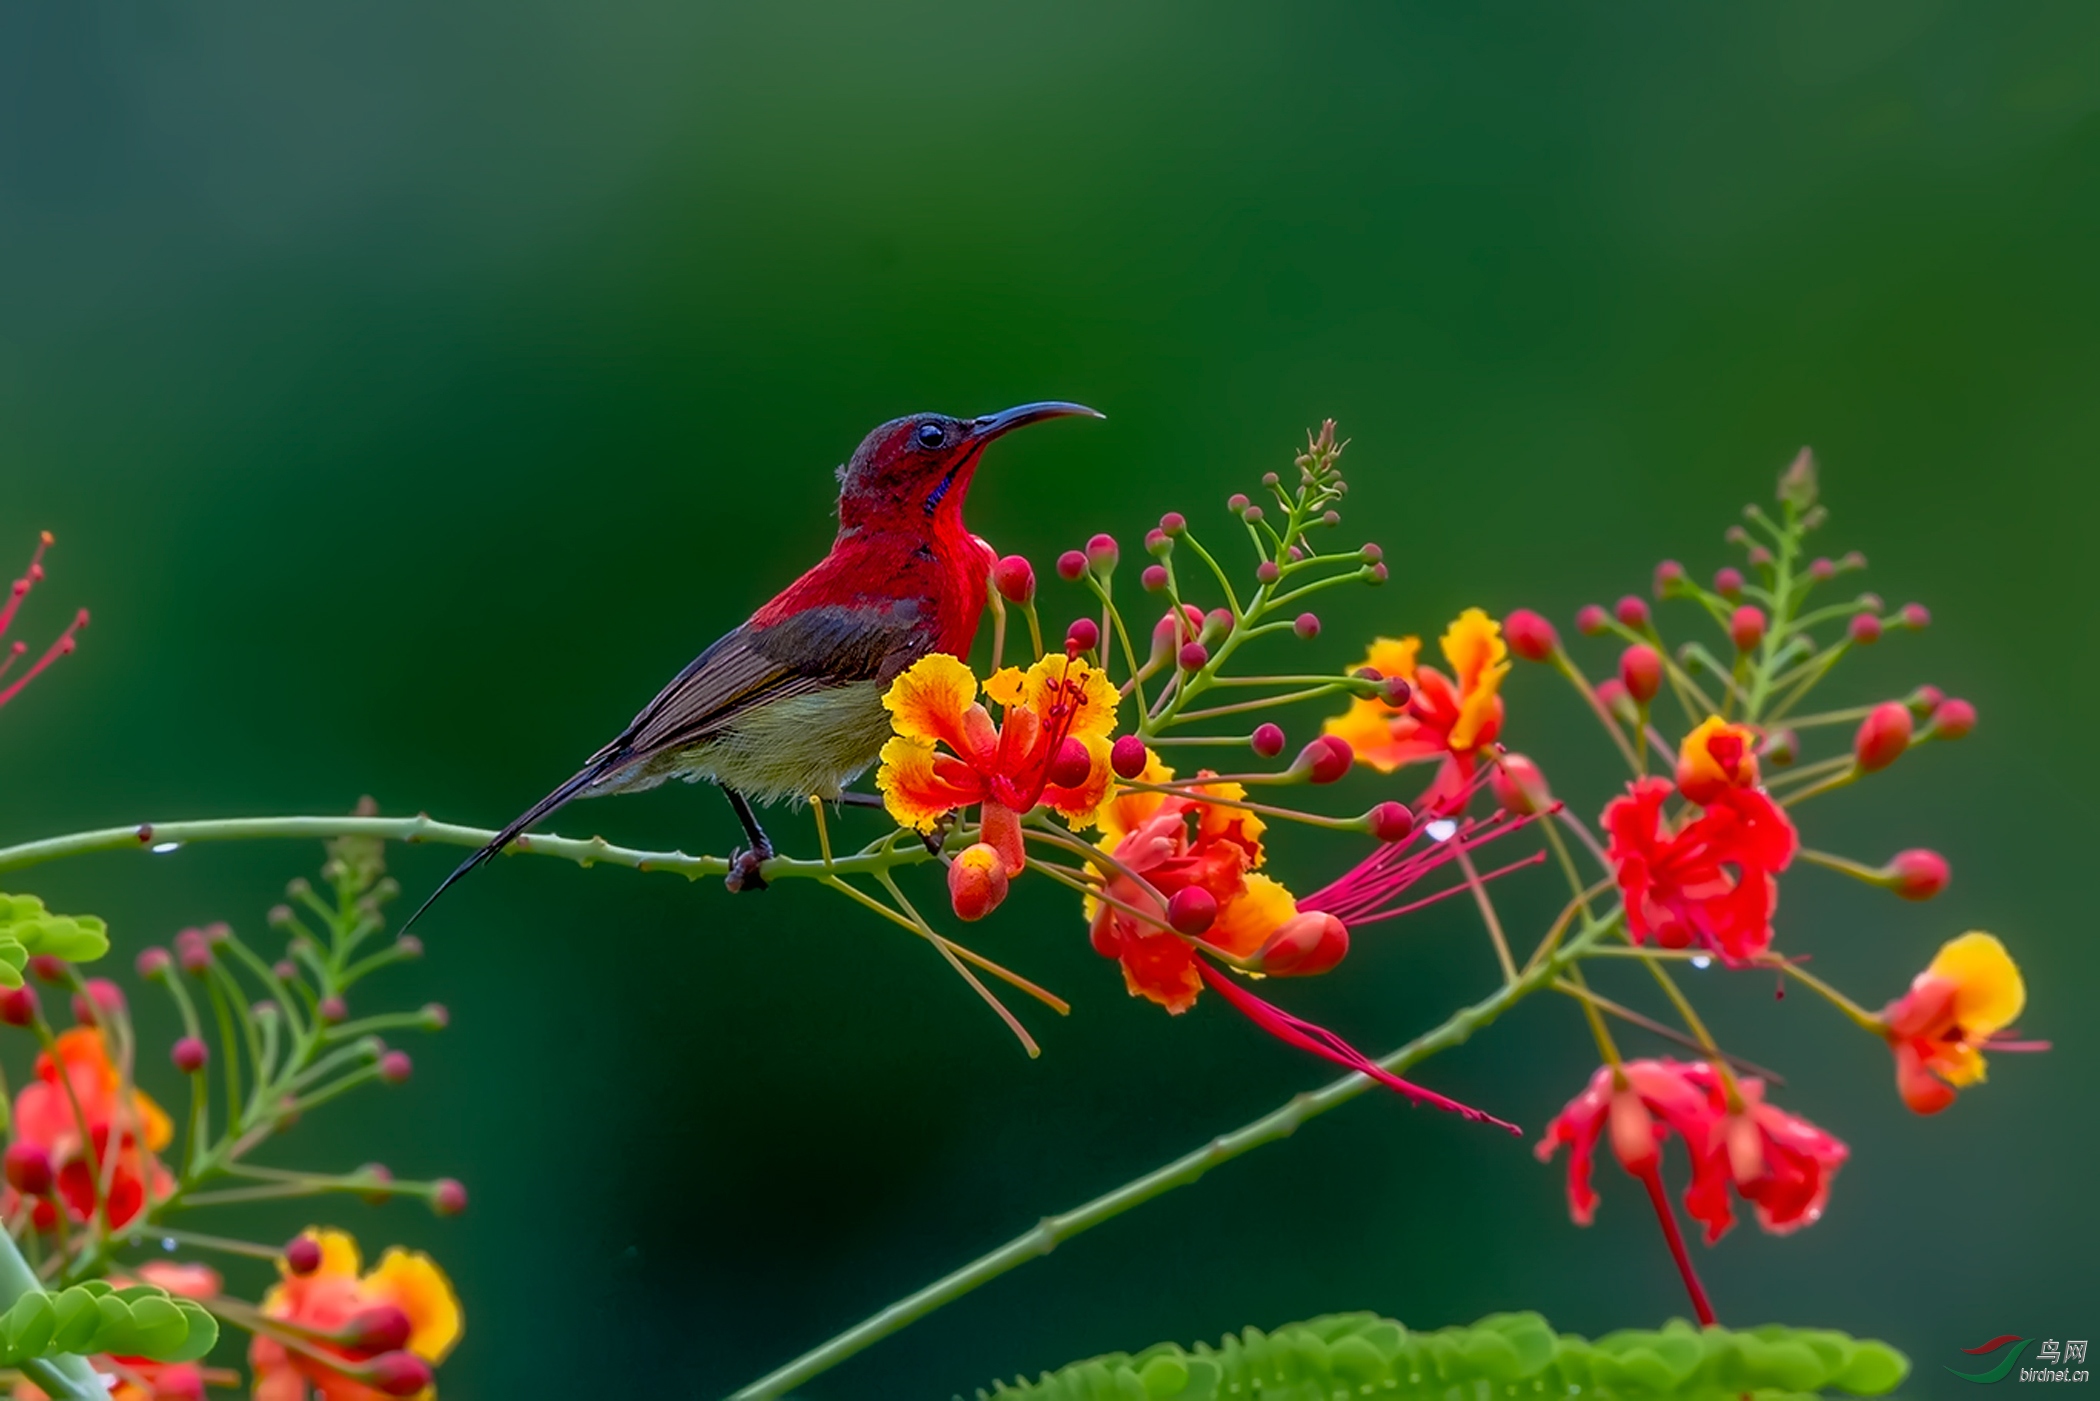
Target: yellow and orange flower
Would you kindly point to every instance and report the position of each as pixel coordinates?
(1715, 757)
(107, 1117)
(1174, 842)
(1970, 992)
(947, 754)
(1448, 719)
(392, 1320)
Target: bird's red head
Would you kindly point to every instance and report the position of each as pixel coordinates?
(913, 470)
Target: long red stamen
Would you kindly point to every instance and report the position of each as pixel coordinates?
(29, 580)
(1323, 1043)
(64, 644)
(1652, 1180)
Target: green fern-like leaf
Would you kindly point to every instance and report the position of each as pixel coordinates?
(1504, 1357)
(27, 928)
(139, 1321)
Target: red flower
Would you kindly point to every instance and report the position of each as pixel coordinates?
(133, 1124)
(1447, 719)
(1708, 881)
(1955, 1010)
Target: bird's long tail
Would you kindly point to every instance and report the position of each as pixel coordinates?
(511, 832)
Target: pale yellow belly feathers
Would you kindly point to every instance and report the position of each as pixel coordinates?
(790, 748)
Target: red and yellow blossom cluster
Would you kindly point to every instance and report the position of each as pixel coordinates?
(1447, 720)
(69, 1121)
(355, 1336)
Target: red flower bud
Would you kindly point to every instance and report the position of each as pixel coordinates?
(1014, 577)
(189, 1054)
(1397, 692)
(1390, 822)
(1267, 572)
(1127, 756)
(1157, 543)
(1882, 737)
(398, 1374)
(1728, 583)
(1864, 629)
(332, 1010)
(1667, 574)
(1173, 523)
(1191, 910)
(1306, 944)
(1822, 570)
(18, 1006)
(1306, 625)
(1083, 636)
(1071, 566)
(1170, 630)
(193, 952)
(1632, 611)
(302, 1255)
(1917, 874)
(977, 881)
(381, 1328)
(1924, 700)
(1915, 615)
(1237, 503)
(1611, 694)
(1216, 623)
(1102, 554)
(1071, 765)
(1520, 786)
(448, 1197)
(1953, 718)
(1529, 635)
(107, 1000)
(1268, 739)
(1591, 620)
(1746, 627)
(1327, 757)
(1371, 553)
(27, 1168)
(48, 968)
(395, 1067)
(1154, 578)
(1641, 672)
(153, 963)
(1378, 574)
(1192, 656)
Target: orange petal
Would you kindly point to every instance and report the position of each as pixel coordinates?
(415, 1285)
(1127, 810)
(912, 786)
(928, 698)
(1246, 921)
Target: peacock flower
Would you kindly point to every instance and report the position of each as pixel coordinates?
(1049, 746)
(110, 1116)
(1445, 719)
(361, 1336)
(1715, 757)
(1705, 881)
(1162, 844)
(1955, 1009)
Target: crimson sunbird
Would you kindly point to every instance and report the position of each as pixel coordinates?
(789, 705)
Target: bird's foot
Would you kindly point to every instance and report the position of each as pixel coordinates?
(744, 870)
(938, 837)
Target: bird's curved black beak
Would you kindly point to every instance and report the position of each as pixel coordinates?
(983, 430)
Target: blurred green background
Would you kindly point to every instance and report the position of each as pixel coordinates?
(413, 389)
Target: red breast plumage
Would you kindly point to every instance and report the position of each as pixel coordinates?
(789, 705)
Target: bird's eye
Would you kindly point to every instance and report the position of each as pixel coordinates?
(931, 435)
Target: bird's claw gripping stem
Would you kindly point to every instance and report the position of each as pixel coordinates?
(744, 867)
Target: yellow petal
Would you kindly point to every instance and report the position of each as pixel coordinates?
(1249, 918)
(419, 1289)
(159, 1132)
(1367, 725)
(910, 790)
(928, 698)
(1393, 656)
(1057, 677)
(1126, 810)
(1958, 1064)
(1991, 992)
(1479, 660)
(1007, 686)
(338, 1253)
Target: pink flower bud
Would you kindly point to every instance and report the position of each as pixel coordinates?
(1632, 611)
(1591, 620)
(1267, 572)
(1171, 631)
(398, 1374)
(153, 963)
(1668, 575)
(1853, 559)
(1252, 515)
(332, 1010)
(1746, 627)
(103, 998)
(285, 969)
(1378, 574)
(1191, 910)
(1072, 765)
(448, 1197)
(380, 1174)
(189, 1054)
(1371, 553)
(1127, 756)
(1924, 700)
(1173, 523)
(1102, 554)
(27, 1168)
(1633, 1137)
(1882, 737)
(1216, 623)
(1916, 874)
(1237, 503)
(1083, 636)
(1780, 748)
(1307, 944)
(395, 1067)
(1306, 625)
(1641, 672)
(1192, 656)
(1390, 822)
(1530, 636)
(1728, 583)
(1520, 786)
(1157, 543)
(1014, 577)
(1611, 694)
(1953, 718)
(1154, 578)
(1822, 570)
(977, 881)
(1864, 629)
(1071, 566)
(1268, 739)
(436, 1016)
(47, 968)
(18, 1006)
(1327, 758)
(193, 952)
(381, 1328)
(302, 1255)
(1760, 557)
(1915, 615)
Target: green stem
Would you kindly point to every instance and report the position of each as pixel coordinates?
(1052, 1231)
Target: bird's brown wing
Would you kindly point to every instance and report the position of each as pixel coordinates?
(815, 650)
